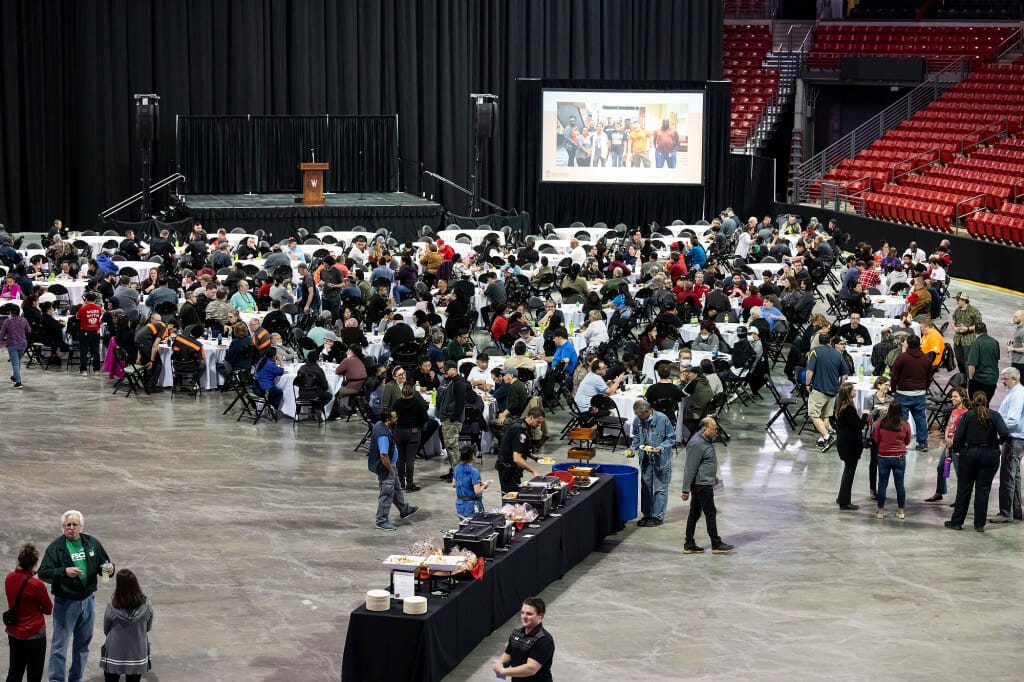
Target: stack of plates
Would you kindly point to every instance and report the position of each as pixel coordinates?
(378, 600)
(415, 605)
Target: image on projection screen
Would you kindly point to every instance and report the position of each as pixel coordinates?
(640, 137)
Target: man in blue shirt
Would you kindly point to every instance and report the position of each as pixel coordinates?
(1012, 412)
(295, 251)
(824, 377)
(697, 256)
(592, 384)
(382, 271)
(564, 358)
(770, 312)
(653, 438)
(382, 459)
(350, 290)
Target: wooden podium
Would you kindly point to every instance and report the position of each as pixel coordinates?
(313, 183)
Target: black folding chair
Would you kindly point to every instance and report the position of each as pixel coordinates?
(304, 389)
(133, 376)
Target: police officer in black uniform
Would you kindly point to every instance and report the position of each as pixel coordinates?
(531, 649)
(516, 449)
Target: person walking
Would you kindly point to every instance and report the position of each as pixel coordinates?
(965, 317)
(71, 566)
(14, 332)
(978, 436)
(412, 416)
(849, 443)
(825, 373)
(699, 478)
(383, 461)
(960, 403)
(1012, 412)
(28, 600)
(911, 373)
(653, 438)
(893, 436)
(126, 623)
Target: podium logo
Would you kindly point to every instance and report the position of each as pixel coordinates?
(312, 183)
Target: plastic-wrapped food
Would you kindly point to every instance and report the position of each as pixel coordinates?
(523, 513)
(427, 547)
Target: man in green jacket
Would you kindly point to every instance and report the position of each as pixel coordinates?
(983, 362)
(71, 564)
(965, 317)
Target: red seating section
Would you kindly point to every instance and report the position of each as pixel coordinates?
(937, 43)
(753, 87)
(948, 160)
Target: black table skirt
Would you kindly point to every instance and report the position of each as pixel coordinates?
(393, 646)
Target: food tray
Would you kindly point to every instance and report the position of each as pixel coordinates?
(446, 564)
(591, 480)
(404, 562)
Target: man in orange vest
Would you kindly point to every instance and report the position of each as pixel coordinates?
(260, 336)
(187, 354)
(147, 340)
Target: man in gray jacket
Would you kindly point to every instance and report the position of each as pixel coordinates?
(700, 475)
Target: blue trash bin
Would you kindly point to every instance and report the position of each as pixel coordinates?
(627, 483)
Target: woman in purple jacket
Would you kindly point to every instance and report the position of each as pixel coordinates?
(14, 333)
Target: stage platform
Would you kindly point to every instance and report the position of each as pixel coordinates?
(278, 214)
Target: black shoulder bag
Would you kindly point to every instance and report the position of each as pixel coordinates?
(11, 617)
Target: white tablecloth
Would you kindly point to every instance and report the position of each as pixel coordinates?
(209, 378)
(287, 380)
(673, 356)
(875, 325)
(476, 235)
(760, 268)
(689, 332)
(75, 287)
(676, 230)
(594, 234)
(861, 356)
(892, 306)
(345, 235)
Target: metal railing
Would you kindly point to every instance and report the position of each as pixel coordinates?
(959, 217)
(1002, 127)
(155, 187)
(875, 127)
(913, 169)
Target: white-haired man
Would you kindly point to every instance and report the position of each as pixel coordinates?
(71, 565)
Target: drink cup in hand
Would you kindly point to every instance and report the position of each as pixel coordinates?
(105, 572)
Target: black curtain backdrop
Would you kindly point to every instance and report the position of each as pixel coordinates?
(215, 154)
(749, 185)
(69, 69)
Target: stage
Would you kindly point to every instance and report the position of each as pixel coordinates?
(278, 214)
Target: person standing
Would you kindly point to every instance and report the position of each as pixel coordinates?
(469, 487)
(71, 565)
(530, 650)
(412, 416)
(983, 362)
(960, 402)
(383, 460)
(877, 405)
(965, 317)
(126, 623)
(823, 379)
(699, 478)
(1012, 412)
(14, 332)
(27, 598)
(653, 438)
(451, 412)
(978, 436)
(1016, 345)
(516, 448)
(892, 433)
(849, 443)
(911, 372)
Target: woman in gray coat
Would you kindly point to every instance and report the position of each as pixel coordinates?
(127, 621)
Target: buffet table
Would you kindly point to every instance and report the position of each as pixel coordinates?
(433, 644)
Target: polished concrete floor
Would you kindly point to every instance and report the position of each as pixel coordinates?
(255, 542)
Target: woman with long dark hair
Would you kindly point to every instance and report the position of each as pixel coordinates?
(849, 443)
(126, 623)
(412, 416)
(979, 435)
(27, 636)
(960, 402)
(892, 435)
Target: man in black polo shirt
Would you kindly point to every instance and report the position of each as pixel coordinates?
(516, 448)
(530, 649)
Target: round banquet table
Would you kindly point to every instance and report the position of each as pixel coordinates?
(864, 386)
(892, 306)
(673, 356)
